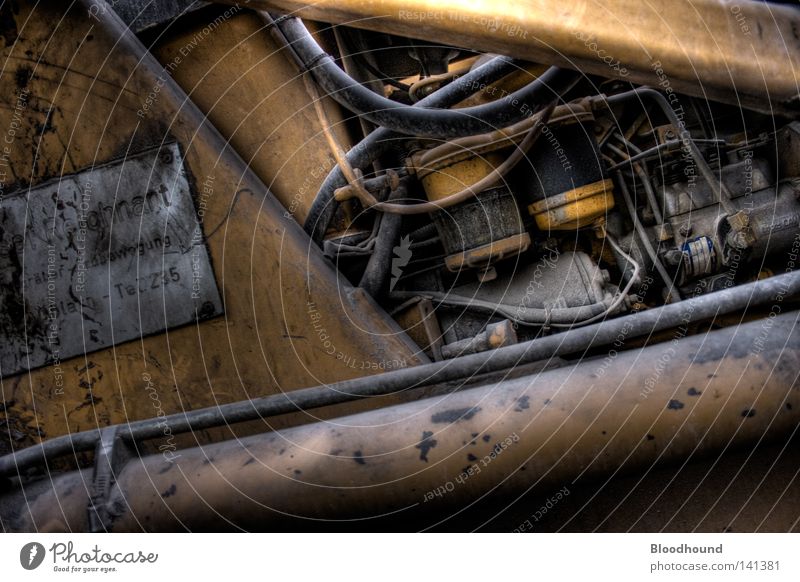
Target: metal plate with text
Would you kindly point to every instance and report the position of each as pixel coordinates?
(104, 256)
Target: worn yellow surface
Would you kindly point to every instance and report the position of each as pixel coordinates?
(574, 209)
(253, 94)
(91, 94)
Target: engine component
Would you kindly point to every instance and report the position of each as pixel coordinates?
(699, 257)
(480, 232)
(495, 336)
(567, 180)
(324, 207)
(575, 208)
(575, 341)
(558, 280)
(420, 322)
(700, 235)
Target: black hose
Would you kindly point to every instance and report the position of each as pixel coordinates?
(375, 277)
(419, 122)
(324, 206)
(573, 341)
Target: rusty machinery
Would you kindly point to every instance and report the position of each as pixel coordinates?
(284, 271)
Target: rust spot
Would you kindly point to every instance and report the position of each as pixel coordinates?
(425, 445)
(454, 415)
(523, 403)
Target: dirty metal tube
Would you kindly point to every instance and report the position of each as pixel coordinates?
(693, 396)
(574, 341)
(740, 53)
(375, 279)
(421, 121)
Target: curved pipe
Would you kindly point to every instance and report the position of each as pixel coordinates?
(379, 141)
(376, 275)
(420, 121)
(699, 51)
(732, 386)
(376, 143)
(324, 206)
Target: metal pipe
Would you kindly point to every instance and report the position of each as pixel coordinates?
(672, 294)
(420, 121)
(706, 48)
(375, 279)
(705, 393)
(573, 341)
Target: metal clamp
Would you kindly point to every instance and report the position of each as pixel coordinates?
(110, 457)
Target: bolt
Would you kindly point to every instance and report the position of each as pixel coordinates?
(673, 257)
